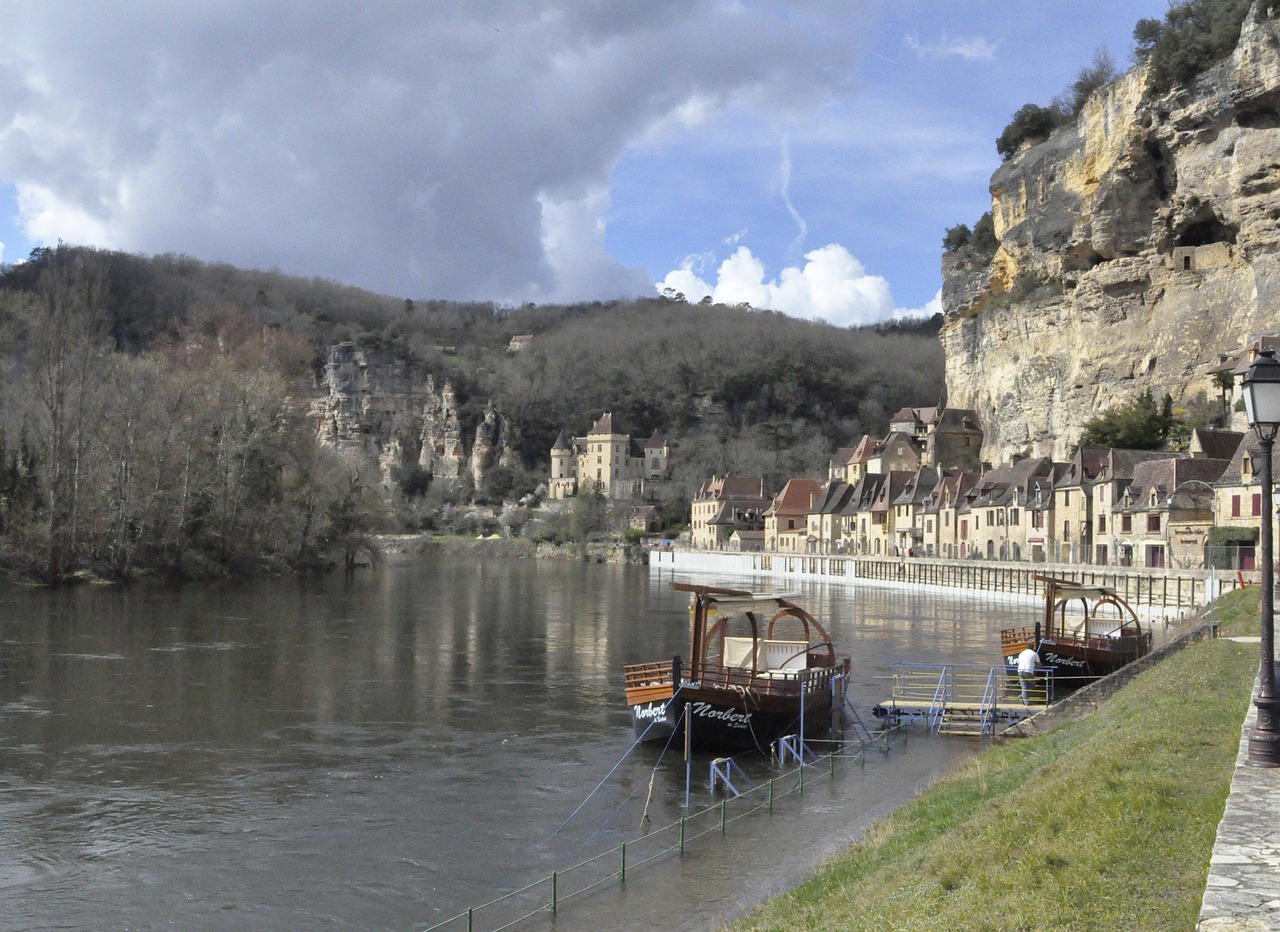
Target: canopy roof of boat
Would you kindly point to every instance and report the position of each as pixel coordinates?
(727, 600)
(1091, 593)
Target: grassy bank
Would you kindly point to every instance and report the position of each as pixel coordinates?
(1104, 822)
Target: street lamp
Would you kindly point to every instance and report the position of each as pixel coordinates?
(1262, 409)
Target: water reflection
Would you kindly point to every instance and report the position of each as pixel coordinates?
(384, 750)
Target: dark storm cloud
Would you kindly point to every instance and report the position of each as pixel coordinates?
(445, 149)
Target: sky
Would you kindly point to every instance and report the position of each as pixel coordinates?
(803, 156)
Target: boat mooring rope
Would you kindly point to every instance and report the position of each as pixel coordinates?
(606, 777)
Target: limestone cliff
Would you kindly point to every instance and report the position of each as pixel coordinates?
(1135, 247)
(374, 406)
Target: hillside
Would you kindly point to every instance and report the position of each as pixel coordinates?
(1135, 247)
(157, 410)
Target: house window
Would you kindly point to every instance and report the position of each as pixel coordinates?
(1102, 524)
(1155, 556)
(1235, 506)
(791, 524)
(1013, 517)
(1066, 499)
(1153, 525)
(964, 529)
(1246, 467)
(1257, 504)
(1126, 524)
(1066, 530)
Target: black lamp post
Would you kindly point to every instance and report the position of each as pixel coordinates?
(1262, 408)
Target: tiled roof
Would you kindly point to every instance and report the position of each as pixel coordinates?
(795, 498)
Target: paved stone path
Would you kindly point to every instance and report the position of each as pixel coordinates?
(1243, 890)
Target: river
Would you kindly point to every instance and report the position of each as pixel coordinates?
(385, 749)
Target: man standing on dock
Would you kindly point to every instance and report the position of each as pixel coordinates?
(1028, 660)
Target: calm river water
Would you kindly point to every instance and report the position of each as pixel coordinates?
(385, 750)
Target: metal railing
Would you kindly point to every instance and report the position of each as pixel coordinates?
(545, 896)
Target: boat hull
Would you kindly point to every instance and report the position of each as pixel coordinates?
(728, 720)
(1074, 662)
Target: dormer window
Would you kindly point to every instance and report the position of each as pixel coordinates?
(1246, 467)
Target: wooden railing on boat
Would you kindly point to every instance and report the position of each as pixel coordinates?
(1136, 644)
(646, 681)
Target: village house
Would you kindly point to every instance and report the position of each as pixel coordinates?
(1073, 506)
(1238, 508)
(1114, 476)
(1167, 509)
(825, 514)
(939, 536)
(607, 461)
(786, 520)
(855, 516)
(882, 538)
(725, 505)
(999, 508)
(909, 506)
(950, 438)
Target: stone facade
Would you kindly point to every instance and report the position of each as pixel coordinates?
(609, 461)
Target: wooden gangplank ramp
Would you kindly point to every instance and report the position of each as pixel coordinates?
(960, 698)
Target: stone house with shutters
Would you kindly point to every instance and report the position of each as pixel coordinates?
(1114, 476)
(1238, 508)
(1165, 512)
(855, 515)
(1073, 507)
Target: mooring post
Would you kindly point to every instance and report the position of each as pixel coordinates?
(622, 874)
(553, 893)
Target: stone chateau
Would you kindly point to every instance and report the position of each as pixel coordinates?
(608, 461)
(922, 490)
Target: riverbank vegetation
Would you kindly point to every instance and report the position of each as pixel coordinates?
(156, 412)
(1104, 822)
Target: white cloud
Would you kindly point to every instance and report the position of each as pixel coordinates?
(832, 285)
(932, 307)
(974, 49)
(431, 150)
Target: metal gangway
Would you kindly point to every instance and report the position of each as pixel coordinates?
(961, 698)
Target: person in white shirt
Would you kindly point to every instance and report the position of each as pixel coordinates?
(1028, 660)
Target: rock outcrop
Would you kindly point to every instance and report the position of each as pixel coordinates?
(1136, 247)
(373, 406)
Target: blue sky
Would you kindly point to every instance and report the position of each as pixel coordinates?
(806, 156)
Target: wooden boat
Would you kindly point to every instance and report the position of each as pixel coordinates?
(760, 667)
(1087, 632)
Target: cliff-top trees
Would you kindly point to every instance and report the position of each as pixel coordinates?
(1194, 36)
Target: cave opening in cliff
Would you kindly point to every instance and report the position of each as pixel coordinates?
(1205, 230)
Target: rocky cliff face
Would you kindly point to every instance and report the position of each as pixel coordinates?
(1135, 248)
(372, 406)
